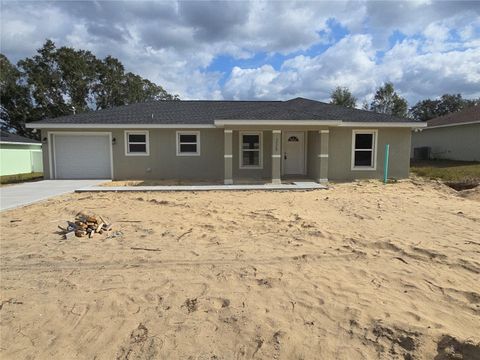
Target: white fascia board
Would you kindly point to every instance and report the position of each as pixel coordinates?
(374, 124)
(221, 123)
(119, 126)
(19, 143)
(449, 125)
(371, 124)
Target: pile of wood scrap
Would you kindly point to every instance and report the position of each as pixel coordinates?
(85, 225)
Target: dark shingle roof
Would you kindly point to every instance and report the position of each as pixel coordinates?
(470, 114)
(206, 112)
(14, 138)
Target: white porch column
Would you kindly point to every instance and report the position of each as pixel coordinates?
(323, 156)
(276, 156)
(228, 157)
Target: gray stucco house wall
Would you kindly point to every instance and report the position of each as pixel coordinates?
(459, 142)
(340, 149)
(454, 136)
(325, 135)
(162, 162)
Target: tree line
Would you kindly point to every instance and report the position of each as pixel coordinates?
(388, 101)
(63, 81)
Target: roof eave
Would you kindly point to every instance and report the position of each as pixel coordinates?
(239, 122)
(223, 123)
(117, 126)
(453, 124)
(339, 123)
(387, 124)
(19, 143)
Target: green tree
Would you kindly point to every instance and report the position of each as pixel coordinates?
(451, 103)
(108, 91)
(365, 105)
(424, 110)
(62, 81)
(448, 103)
(137, 89)
(116, 88)
(387, 101)
(78, 73)
(15, 104)
(44, 79)
(343, 97)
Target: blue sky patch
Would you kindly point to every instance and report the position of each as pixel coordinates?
(225, 63)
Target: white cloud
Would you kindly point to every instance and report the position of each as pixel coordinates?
(435, 73)
(252, 83)
(346, 64)
(436, 37)
(172, 43)
(351, 63)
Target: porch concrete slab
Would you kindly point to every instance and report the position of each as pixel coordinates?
(13, 196)
(294, 186)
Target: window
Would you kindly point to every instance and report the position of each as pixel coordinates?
(136, 143)
(364, 152)
(251, 150)
(188, 143)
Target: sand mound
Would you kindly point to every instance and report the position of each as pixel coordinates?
(359, 271)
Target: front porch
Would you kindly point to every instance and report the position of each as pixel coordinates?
(276, 155)
(299, 186)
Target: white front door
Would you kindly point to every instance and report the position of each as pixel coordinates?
(294, 153)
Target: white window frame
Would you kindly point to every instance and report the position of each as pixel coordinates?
(260, 150)
(374, 133)
(147, 142)
(197, 134)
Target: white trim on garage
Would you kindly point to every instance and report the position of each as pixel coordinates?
(51, 148)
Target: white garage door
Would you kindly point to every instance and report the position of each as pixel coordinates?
(82, 156)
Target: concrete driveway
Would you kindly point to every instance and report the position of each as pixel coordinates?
(13, 196)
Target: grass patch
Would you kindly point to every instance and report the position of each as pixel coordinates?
(456, 174)
(11, 179)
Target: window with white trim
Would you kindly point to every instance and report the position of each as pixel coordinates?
(136, 143)
(188, 143)
(364, 144)
(251, 150)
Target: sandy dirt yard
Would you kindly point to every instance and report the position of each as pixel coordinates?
(359, 271)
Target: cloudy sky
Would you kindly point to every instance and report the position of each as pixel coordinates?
(266, 50)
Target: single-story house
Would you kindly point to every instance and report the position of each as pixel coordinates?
(19, 155)
(225, 140)
(454, 136)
